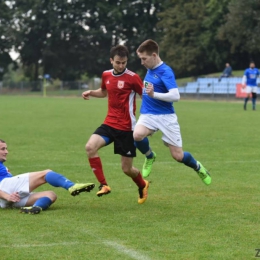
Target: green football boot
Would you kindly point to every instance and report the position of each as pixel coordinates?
(204, 174)
(77, 188)
(147, 167)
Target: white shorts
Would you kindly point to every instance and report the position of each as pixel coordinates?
(251, 89)
(167, 124)
(18, 183)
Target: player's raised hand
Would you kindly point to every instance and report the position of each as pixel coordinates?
(86, 94)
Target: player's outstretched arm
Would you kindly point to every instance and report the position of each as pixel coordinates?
(244, 81)
(99, 93)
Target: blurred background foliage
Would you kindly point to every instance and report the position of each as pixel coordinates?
(71, 39)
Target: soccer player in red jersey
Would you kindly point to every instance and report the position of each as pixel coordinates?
(121, 86)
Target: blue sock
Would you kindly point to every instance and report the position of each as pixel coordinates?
(143, 147)
(43, 203)
(246, 100)
(189, 161)
(58, 180)
(253, 102)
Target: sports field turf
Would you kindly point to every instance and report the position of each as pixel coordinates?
(182, 217)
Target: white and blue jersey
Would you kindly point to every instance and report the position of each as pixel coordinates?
(251, 76)
(4, 173)
(162, 79)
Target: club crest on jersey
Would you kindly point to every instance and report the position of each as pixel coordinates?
(120, 84)
(146, 84)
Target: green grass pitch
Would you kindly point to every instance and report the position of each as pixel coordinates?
(182, 219)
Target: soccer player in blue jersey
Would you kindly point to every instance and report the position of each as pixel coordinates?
(157, 111)
(17, 191)
(249, 82)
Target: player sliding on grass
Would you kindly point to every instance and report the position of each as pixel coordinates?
(121, 86)
(157, 111)
(16, 191)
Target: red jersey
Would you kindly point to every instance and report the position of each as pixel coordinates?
(121, 90)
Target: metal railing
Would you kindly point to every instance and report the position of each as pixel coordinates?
(42, 88)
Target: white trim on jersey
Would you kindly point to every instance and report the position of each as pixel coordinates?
(129, 72)
(131, 109)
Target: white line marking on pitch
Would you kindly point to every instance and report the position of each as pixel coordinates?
(130, 252)
(120, 248)
(40, 245)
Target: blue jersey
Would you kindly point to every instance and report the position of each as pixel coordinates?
(251, 76)
(4, 173)
(162, 79)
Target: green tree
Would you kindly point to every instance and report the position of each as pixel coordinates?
(190, 44)
(30, 34)
(70, 38)
(242, 30)
(104, 25)
(51, 35)
(180, 46)
(5, 37)
(216, 50)
(138, 23)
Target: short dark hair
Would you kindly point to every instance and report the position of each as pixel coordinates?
(149, 46)
(2, 141)
(119, 50)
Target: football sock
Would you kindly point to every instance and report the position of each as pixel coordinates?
(246, 100)
(58, 180)
(150, 155)
(143, 147)
(96, 166)
(139, 180)
(189, 161)
(253, 102)
(43, 203)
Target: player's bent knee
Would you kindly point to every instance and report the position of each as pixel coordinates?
(178, 157)
(52, 196)
(126, 169)
(90, 149)
(43, 173)
(138, 137)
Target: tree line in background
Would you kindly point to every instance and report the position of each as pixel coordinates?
(67, 39)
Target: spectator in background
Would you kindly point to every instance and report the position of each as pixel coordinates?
(249, 83)
(227, 72)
